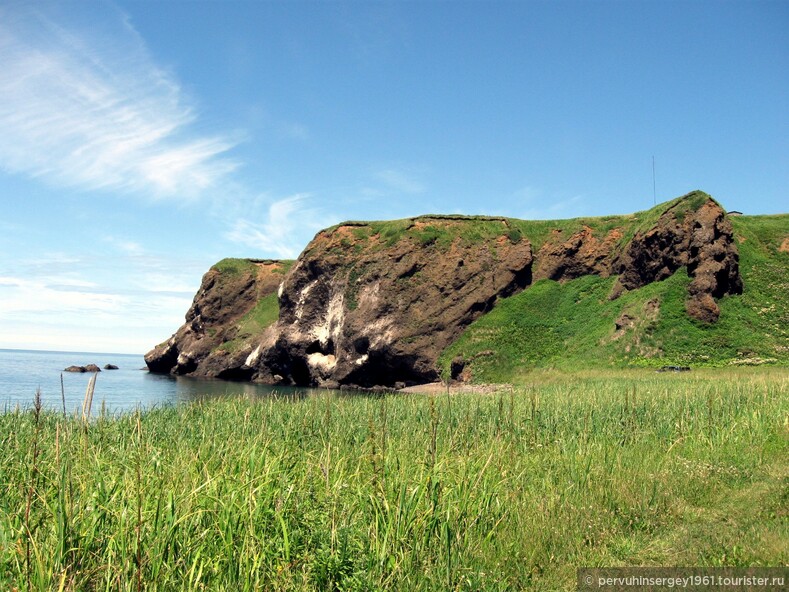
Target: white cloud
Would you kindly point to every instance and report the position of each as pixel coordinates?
(47, 263)
(54, 297)
(121, 298)
(89, 108)
(284, 232)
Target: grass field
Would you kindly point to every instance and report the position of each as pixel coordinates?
(504, 491)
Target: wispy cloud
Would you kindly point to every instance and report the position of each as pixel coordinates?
(283, 233)
(120, 298)
(89, 108)
(28, 295)
(45, 314)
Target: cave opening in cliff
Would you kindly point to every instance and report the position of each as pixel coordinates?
(316, 347)
(300, 372)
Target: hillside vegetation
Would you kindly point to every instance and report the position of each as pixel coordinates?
(442, 230)
(574, 324)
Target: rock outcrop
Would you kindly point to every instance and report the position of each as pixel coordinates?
(581, 254)
(80, 369)
(204, 345)
(698, 238)
(376, 303)
(358, 308)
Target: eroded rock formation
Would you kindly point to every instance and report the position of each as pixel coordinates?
(699, 239)
(229, 293)
(376, 303)
(356, 309)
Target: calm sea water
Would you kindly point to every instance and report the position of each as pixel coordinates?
(126, 389)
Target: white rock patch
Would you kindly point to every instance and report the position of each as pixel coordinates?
(332, 322)
(303, 298)
(253, 357)
(324, 364)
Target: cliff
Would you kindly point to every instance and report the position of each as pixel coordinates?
(237, 300)
(377, 303)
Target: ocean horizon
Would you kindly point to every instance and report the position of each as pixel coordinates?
(23, 372)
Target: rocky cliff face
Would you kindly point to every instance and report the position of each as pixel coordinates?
(376, 303)
(224, 307)
(700, 239)
(361, 308)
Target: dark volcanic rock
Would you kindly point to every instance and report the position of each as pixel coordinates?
(110, 367)
(357, 310)
(88, 368)
(456, 367)
(701, 240)
(226, 295)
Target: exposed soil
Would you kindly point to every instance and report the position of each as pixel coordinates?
(456, 388)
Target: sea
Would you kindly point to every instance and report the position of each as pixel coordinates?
(130, 387)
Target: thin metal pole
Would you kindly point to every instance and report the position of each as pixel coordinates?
(654, 193)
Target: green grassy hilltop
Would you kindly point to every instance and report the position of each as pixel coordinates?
(573, 324)
(490, 299)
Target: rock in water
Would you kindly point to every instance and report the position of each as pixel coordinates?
(215, 340)
(88, 368)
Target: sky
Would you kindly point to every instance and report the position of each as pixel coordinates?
(141, 142)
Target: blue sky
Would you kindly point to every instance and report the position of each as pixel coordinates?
(140, 142)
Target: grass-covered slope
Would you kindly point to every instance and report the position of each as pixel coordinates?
(574, 324)
(264, 313)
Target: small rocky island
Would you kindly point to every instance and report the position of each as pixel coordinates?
(89, 368)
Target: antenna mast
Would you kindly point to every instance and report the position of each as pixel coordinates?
(654, 193)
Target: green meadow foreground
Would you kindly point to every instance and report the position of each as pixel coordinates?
(505, 491)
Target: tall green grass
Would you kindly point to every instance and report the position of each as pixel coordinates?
(504, 491)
